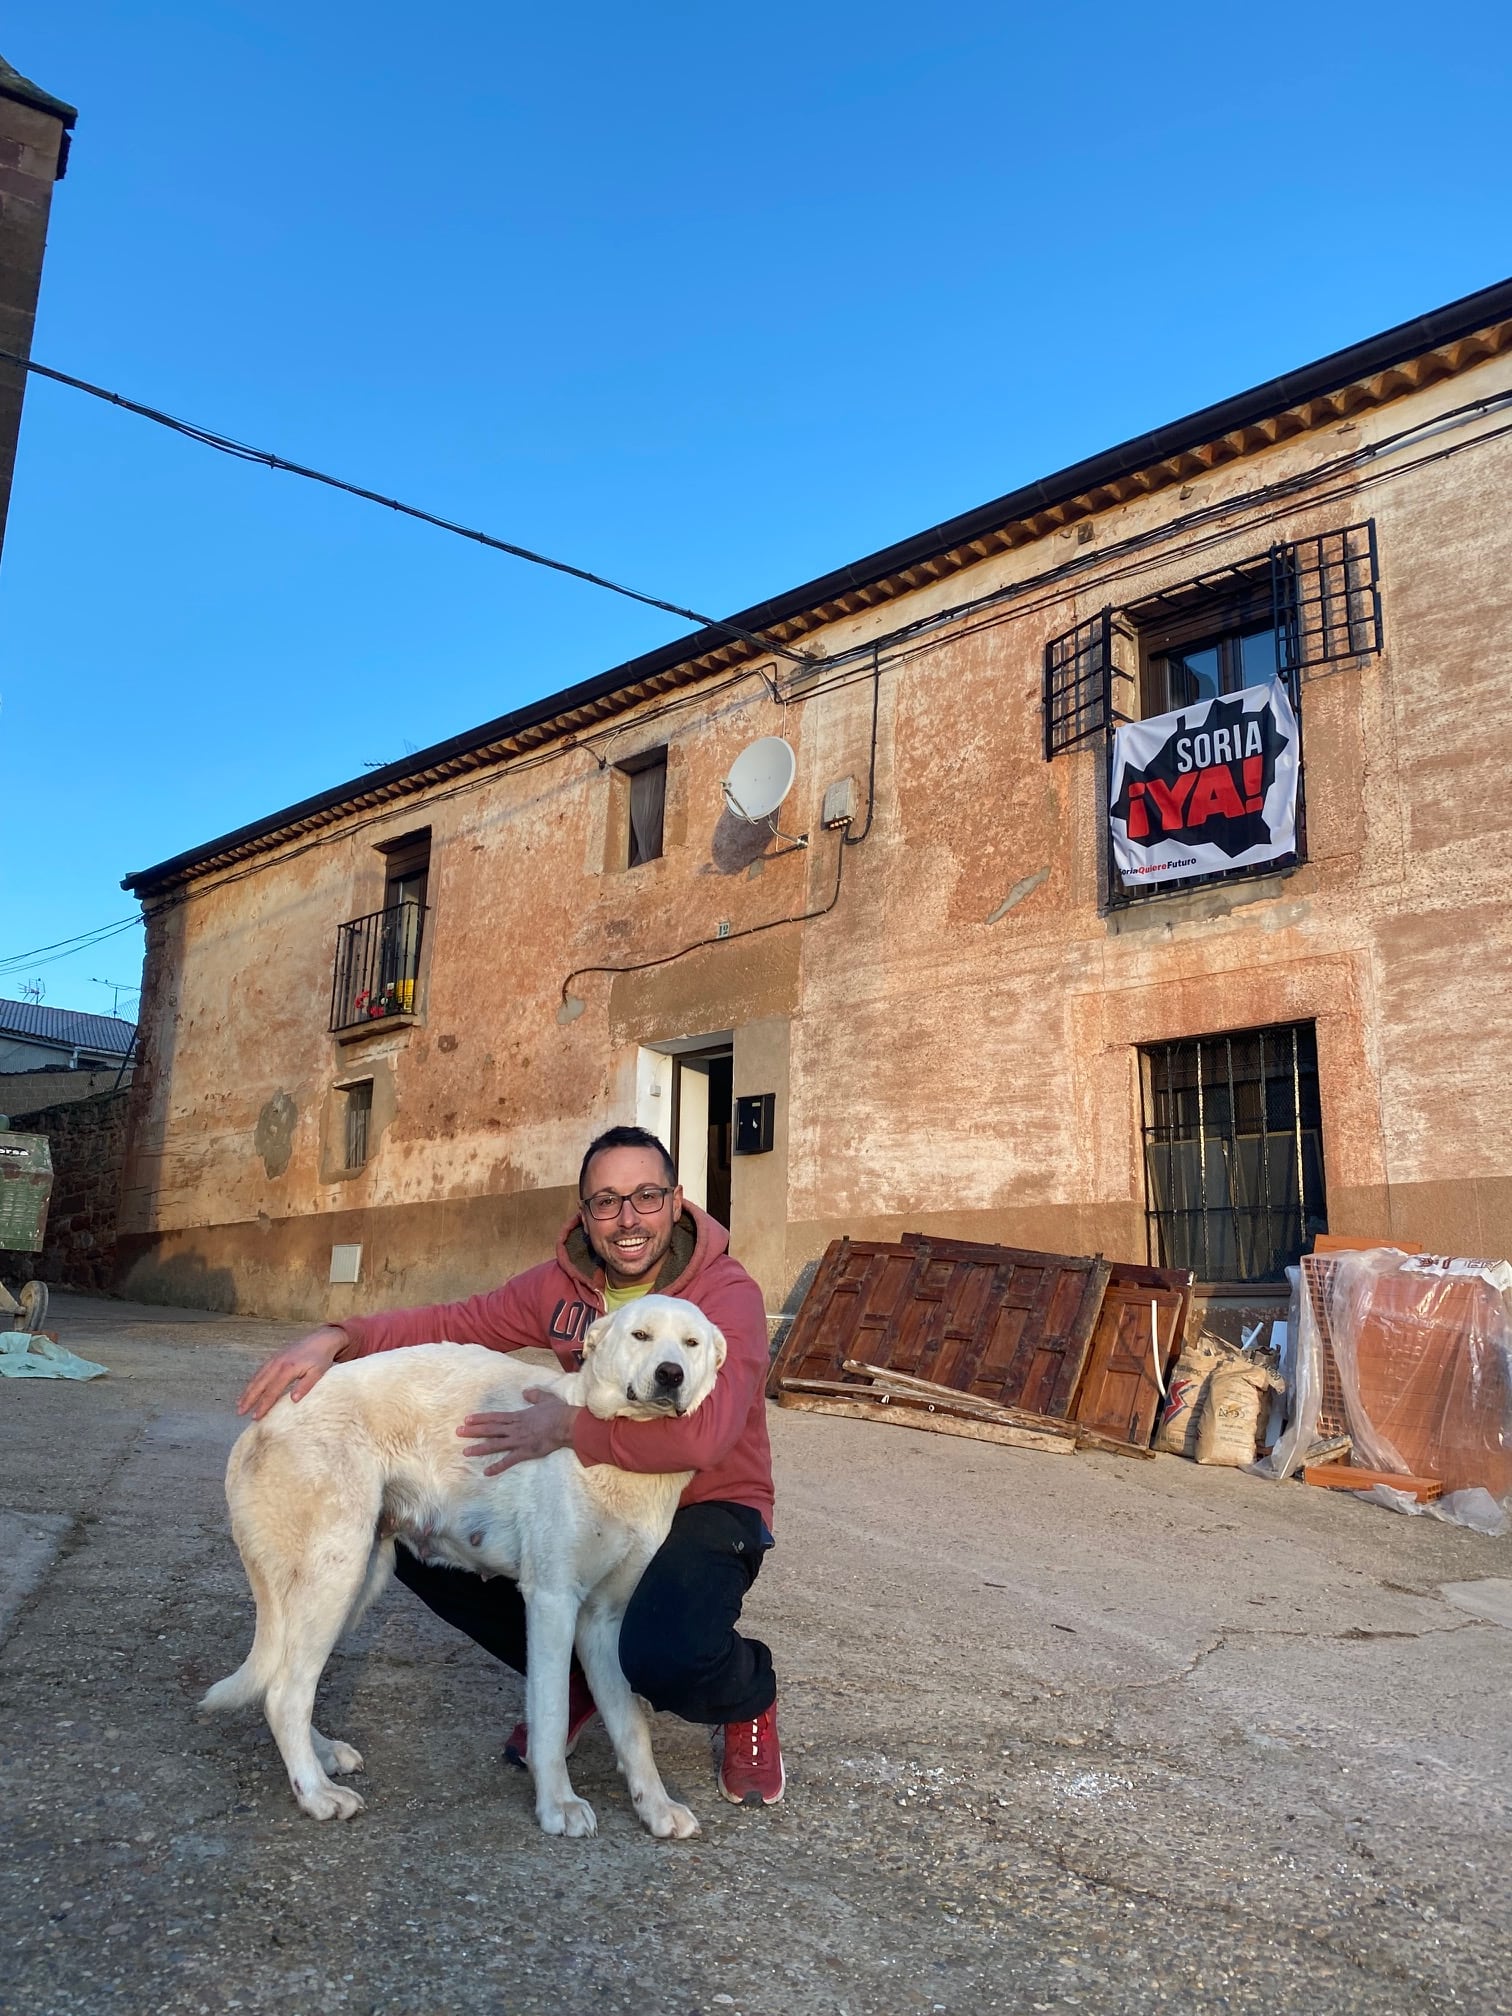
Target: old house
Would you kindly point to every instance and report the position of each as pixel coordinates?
(35, 131)
(52, 1055)
(1143, 887)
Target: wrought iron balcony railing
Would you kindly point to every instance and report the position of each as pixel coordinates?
(377, 966)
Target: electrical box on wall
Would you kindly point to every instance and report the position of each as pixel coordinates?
(755, 1123)
(346, 1265)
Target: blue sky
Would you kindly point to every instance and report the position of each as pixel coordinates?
(707, 299)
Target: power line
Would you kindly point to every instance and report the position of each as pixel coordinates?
(224, 444)
(63, 947)
(28, 962)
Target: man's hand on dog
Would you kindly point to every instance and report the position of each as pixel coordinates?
(523, 1435)
(294, 1370)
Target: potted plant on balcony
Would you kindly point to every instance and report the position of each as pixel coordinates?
(395, 997)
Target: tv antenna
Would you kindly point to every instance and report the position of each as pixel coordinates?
(117, 989)
(760, 778)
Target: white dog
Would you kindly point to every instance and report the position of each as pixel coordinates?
(320, 1489)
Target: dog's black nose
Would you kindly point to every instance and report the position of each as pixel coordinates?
(669, 1377)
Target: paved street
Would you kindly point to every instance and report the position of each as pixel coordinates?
(1061, 1734)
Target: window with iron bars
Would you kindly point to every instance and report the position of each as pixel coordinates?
(1233, 1150)
(1304, 603)
(358, 1101)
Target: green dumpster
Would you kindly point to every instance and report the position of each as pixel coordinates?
(25, 1187)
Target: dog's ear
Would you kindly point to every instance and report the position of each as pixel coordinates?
(595, 1334)
(716, 1338)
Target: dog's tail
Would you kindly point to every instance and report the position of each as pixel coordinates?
(240, 1689)
(249, 1683)
(246, 1687)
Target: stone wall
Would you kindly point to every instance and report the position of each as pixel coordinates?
(87, 1139)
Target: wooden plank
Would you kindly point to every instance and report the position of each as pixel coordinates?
(1344, 1477)
(1110, 1445)
(901, 1415)
(902, 1386)
(928, 1389)
(885, 1393)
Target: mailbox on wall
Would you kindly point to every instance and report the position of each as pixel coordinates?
(755, 1122)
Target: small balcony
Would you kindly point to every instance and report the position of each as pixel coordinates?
(377, 968)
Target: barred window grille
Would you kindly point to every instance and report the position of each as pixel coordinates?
(359, 1114)
(1327, 597)
(1078, 679)
(1320, 597)
(1233, 1145)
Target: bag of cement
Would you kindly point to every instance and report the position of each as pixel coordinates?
(1177, 1433)
(1228, 1421)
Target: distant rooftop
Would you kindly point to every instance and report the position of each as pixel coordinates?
(14, 85)
(67, 1026)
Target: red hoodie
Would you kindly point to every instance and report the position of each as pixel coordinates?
(724, 1442)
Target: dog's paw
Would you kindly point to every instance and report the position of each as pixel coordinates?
(573, 1817)
(342, 1758)
(332, 1802)
(673, 1823)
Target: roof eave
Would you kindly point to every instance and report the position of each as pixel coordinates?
(24, 92)
(1407, 341)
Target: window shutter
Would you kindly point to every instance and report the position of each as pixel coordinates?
(1327, 600)
(1078, 674)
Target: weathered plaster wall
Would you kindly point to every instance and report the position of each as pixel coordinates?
(954, 1043)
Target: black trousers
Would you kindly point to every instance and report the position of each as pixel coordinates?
(678, 1643)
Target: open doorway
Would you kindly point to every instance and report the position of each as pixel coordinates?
(703, 1098)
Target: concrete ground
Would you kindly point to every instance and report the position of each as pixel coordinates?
(1062, 1733)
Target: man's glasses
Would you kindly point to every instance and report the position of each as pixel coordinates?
(645, 1201)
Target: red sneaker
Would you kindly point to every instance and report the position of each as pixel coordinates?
(580, 1712)
(750, 1772)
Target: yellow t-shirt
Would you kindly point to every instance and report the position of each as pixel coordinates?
(616, 1298)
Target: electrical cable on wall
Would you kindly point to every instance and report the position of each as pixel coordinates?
(729, 937)
(850, 839)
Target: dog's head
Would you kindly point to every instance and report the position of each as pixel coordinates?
(657, 1355)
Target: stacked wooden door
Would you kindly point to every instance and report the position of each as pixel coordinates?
(1027, 1330)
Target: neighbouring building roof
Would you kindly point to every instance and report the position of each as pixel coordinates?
(1384, 367)
(14, 85)
(68, 1026)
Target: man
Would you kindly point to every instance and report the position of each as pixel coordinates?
(633, 1234)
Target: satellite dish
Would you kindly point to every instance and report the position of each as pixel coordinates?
(760, 778)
